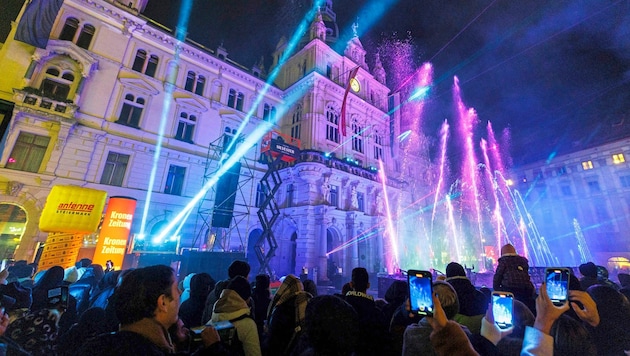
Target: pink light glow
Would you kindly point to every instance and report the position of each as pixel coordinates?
(390, 263)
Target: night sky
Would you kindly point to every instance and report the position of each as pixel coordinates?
(556, 74)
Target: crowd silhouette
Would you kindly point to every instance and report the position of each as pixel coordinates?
(152, 311)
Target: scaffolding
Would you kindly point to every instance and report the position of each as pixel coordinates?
(220, 238)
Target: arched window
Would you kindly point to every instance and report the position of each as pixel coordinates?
(140, 63)
(232, 98)
(201, 84)
(69, 29)
(131, 111)
(186, 127)
(378, 145)
(56, 85)
(332, 124)
(151, 66)
(190, 81)
(239, 101)
(85, 37)
(266, 109)
(357, 137)
(296, 122)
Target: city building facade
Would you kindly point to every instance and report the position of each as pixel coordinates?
(116, 102)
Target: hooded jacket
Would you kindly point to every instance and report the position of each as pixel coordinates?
(231, 306)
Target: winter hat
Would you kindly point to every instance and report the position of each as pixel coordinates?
(507, 249)
(454, 269)
(588, 269)
(71, 275)
(240, 285)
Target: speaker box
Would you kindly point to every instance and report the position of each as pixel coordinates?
(225, 197)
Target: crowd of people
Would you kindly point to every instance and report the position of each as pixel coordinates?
(152, 311)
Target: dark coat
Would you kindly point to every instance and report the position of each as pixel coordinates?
(471, 301)
(374, 337)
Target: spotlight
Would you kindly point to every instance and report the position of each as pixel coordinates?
(327, 154)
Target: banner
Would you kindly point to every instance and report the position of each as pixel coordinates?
(60, 249)
(37, 22)
(72, 209)
(353, 73)
(112, 240)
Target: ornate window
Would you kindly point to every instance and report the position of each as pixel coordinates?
(186, 127)
(28, 152)
(115, 168)
(378, 146)
(296, 124)
(235, 100)
(332, 124)
(142, 65)
(131, 111)
(269, 113)
(85, 37)
(56, 84)
(69, 29)
(357, 137)
(175, 180)
(195, 83)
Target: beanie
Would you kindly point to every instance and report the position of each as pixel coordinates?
(240, 285)
(454, 269)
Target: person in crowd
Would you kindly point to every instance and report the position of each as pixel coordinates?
(522, 317)
(82, 288)
(191, 310)
(232, 306)
(472, 302)
(624, 281)
(285, 316)
(104, 289)
(603, 278)
(330, 327)
(147, 306)
(611, 335)
(109, 266)
(89, 326)
(373, 328)
(447, 337)
(22, 297)
(236, 268)
(111, 321)
(186, 287)
(589, 275)
(512, 275)
(310, 287)
(22, 273)
(53, 278)
(417, 336)
(395, 297)
(261, 298)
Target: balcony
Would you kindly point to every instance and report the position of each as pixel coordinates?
(34, 99)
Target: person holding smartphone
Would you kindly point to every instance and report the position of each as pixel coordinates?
(416, 340)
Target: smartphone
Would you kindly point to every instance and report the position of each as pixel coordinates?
(58, 297)
(557, 282)
(503, 309)
(226, 330)
(420, 292)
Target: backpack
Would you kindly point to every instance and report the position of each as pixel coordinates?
(229, 336)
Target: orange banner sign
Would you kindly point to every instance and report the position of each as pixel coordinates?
(112, 241)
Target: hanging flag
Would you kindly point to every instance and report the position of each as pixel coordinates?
(353, 73)
(37, 22)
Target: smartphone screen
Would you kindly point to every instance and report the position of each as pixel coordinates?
(420, 292)
(58, 297)
(502, 309)
(557, 282)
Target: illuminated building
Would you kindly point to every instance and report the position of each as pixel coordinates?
(86, 110)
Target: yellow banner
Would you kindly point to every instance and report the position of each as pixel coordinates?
(61, 249)
(72, 209)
